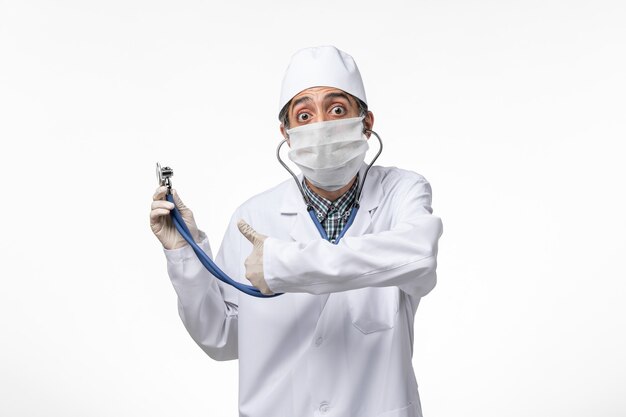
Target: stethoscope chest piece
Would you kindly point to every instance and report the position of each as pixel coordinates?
(163, 175)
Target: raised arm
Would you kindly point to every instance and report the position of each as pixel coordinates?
(405, 256)
(207, 307)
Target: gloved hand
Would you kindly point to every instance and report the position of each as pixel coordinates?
(161, 223)
(254, 262)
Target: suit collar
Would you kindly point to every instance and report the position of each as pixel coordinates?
(303, 229)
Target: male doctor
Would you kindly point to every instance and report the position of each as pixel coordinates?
(339, 341)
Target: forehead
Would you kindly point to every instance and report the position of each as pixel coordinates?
(320, 93)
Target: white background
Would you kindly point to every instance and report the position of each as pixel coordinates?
(513, 110)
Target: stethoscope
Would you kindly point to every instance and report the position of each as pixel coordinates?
(164, 175)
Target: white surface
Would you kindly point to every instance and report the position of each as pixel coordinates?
(514, 111)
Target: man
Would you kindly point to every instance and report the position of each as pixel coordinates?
(339, 341)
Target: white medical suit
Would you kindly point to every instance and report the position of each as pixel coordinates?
(339, 342)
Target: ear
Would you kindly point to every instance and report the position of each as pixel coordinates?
(283, 132)
(368, 122)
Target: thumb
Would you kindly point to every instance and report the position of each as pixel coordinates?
(248, 231)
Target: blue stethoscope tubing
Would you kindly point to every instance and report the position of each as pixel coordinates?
(208, 263)
(205, 260)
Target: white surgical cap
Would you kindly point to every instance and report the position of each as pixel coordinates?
(321, 66)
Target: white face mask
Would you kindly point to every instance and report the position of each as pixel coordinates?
(329, 154)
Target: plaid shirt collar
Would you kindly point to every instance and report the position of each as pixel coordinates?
(323, 207)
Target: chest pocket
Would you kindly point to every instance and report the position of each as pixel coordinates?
(373, 309)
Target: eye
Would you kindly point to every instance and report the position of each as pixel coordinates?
(338, 110)
(303, 117)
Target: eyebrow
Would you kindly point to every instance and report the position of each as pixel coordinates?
(331, 96)
(301, 100)
(327, 97)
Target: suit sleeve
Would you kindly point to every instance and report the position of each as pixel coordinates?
(404, 256)
(207, 307)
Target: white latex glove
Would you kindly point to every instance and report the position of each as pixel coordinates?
(254, 262)
(161, 223)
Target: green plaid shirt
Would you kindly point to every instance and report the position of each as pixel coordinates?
(333, 215)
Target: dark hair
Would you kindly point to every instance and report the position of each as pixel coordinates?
(283, 116)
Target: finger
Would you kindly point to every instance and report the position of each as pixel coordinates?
(178, 201)
(246, 230)
(160, 212)
(162, 204)
(160, 192)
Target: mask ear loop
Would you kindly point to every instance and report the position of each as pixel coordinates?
(309, 207)
(380, 150)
